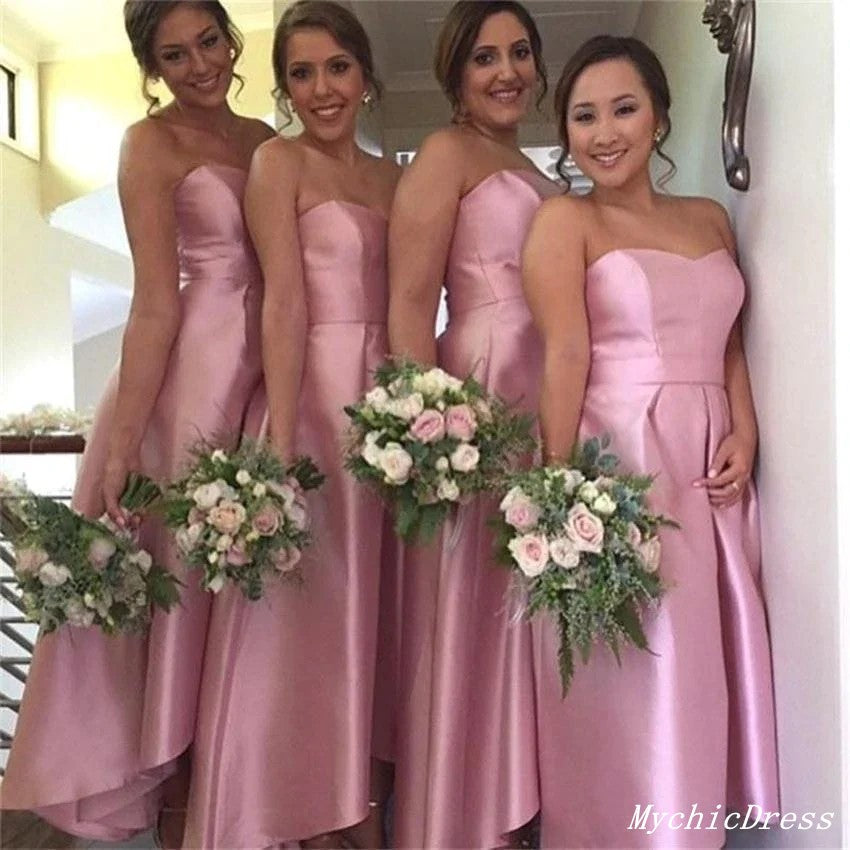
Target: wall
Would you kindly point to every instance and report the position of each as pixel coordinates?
(94, 360)
(86, 104)
(785, 230)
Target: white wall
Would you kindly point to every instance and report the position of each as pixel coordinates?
(94, 360)
(785, 230)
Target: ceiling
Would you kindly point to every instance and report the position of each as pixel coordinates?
(403, 32)
(64, 29)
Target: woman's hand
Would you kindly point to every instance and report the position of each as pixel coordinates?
(114, 483)
(730, 471)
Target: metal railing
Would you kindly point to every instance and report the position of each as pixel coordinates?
(17, 634)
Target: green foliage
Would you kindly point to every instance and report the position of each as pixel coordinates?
(602, 598)
(420, 505)
(253, 477)
(75, 570)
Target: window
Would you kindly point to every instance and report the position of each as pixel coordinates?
(8, 122)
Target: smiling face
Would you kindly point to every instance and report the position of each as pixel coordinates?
(193, 56)
(499, 75)
(610, 123)
(325, 83)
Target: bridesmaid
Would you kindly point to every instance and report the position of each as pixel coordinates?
(638, 296)
(285, 720)
(466, 772)
(106, 721)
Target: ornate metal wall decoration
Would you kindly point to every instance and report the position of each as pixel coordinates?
(733, 25)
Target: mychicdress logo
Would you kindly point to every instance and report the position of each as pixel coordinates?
(648, 819)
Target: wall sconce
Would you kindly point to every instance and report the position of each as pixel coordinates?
(733, 25)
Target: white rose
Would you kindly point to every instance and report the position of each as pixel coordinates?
(219, 456)
(215, 584)
(564, 553)
(588, 492)
(371, 453)
(142, 560)
(377, 399)
(207, 495)
(572, 478)
(531, 552)
(286, 492)
(604, 505)
(447, 490)
(407, 408)
(259, 490)
(224, 543)
(465, 457)
(298, 516)
(77, 614)
(396, 464)
(212, 557)
(243, 477)
(227, 492)
(442, 464)
(187, 537)
(53, 575)
(431, 382)
(510, 497)
(101, 549)
(650, 552)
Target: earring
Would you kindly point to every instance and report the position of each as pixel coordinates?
(367, 100)
(657, 136)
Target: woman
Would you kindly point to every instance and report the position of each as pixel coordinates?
(106, 721)
(460, 216)
(285, 722)
(637, 296)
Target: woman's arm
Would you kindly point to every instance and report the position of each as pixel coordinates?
(732, 465)
(271, 213)
(421, 227)
(553, 274)
(146, 190)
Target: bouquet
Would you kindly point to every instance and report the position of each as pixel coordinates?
(586, 549)
(80, 571)
(426, 441)
(241, 516)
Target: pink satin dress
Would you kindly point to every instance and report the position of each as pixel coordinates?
(466, 768)
(285, 718)
(693, 724)
(104, 718)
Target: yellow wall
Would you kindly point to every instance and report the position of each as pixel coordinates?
(87, 103)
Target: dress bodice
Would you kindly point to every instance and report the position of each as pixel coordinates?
(344, 262)
(212, 239)
(491, 226)
(659, 317)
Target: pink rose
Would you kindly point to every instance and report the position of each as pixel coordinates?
(267, 520)
(460, 422)
(633, 537)
(584, 528)
(429, 426)
(237, 556)
(531, 552)
(284, 560)
(227, 516)
(522, 514)
(650, 552)
(30, 560)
